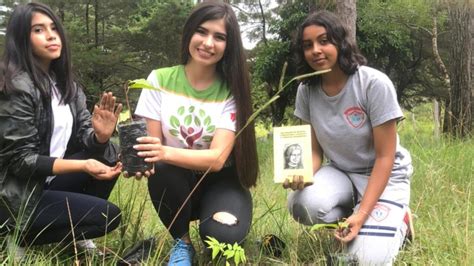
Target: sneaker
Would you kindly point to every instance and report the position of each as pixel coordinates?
(181, 254)
(408, 219)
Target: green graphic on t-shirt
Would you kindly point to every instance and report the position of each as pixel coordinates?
(191, 125)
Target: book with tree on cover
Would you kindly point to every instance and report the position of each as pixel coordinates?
(292, 153)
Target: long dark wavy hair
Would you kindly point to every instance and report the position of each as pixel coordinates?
(232, 69)
(18, 55)
(349, 57)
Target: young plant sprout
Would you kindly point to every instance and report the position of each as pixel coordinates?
(230, 252)
(131, 129)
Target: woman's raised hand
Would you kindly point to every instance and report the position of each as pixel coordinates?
(105, 116)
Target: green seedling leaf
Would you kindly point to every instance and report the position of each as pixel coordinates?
(339, 225)
(318, 227)
(215, 246)
(141, 84)
(191, 109)
(229, 253)
(211, 241)
(215, 251)
(343, 224)
(243, 258)
(237, 258)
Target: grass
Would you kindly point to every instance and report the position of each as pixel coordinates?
(441, 200)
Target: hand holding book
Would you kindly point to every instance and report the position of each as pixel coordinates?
(292, 156)
(295, 183)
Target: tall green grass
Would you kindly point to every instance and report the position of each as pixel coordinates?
(441, 199)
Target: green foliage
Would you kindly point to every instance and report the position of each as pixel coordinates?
(159, 35)
(291, 15)
(270, 57)
(394, 37)
(261, 131)
(114, 41)
(230, 252)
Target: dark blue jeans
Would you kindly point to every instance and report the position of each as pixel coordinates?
(75, 197)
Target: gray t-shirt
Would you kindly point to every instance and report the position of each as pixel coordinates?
(343, 123)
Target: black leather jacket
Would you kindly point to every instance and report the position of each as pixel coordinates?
(26, 127)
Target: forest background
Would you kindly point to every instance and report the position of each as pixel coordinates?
(425, 46)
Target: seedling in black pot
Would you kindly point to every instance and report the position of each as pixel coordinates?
(129, 130)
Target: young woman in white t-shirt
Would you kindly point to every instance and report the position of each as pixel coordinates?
(192, 125)
(353, 112)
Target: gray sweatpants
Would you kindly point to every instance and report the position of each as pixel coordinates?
(334, 195)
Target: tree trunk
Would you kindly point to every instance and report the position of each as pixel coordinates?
(347, 11)
(472, 67)
(460, 71)
(444, 75)
(61, 10)
(96, 23)
(264, 24)
(436, 119)
(87, 19)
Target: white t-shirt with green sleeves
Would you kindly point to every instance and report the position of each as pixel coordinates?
(189, 118)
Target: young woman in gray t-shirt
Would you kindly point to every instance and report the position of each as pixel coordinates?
(353, 112)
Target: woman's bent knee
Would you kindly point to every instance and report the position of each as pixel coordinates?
(226, 227)
(308, 207)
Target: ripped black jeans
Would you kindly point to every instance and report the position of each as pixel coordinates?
(218, 192)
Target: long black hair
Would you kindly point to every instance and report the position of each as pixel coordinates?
(232, 68)
(349, 57)
(18, 55)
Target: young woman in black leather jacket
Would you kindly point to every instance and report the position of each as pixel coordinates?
(56, 161)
